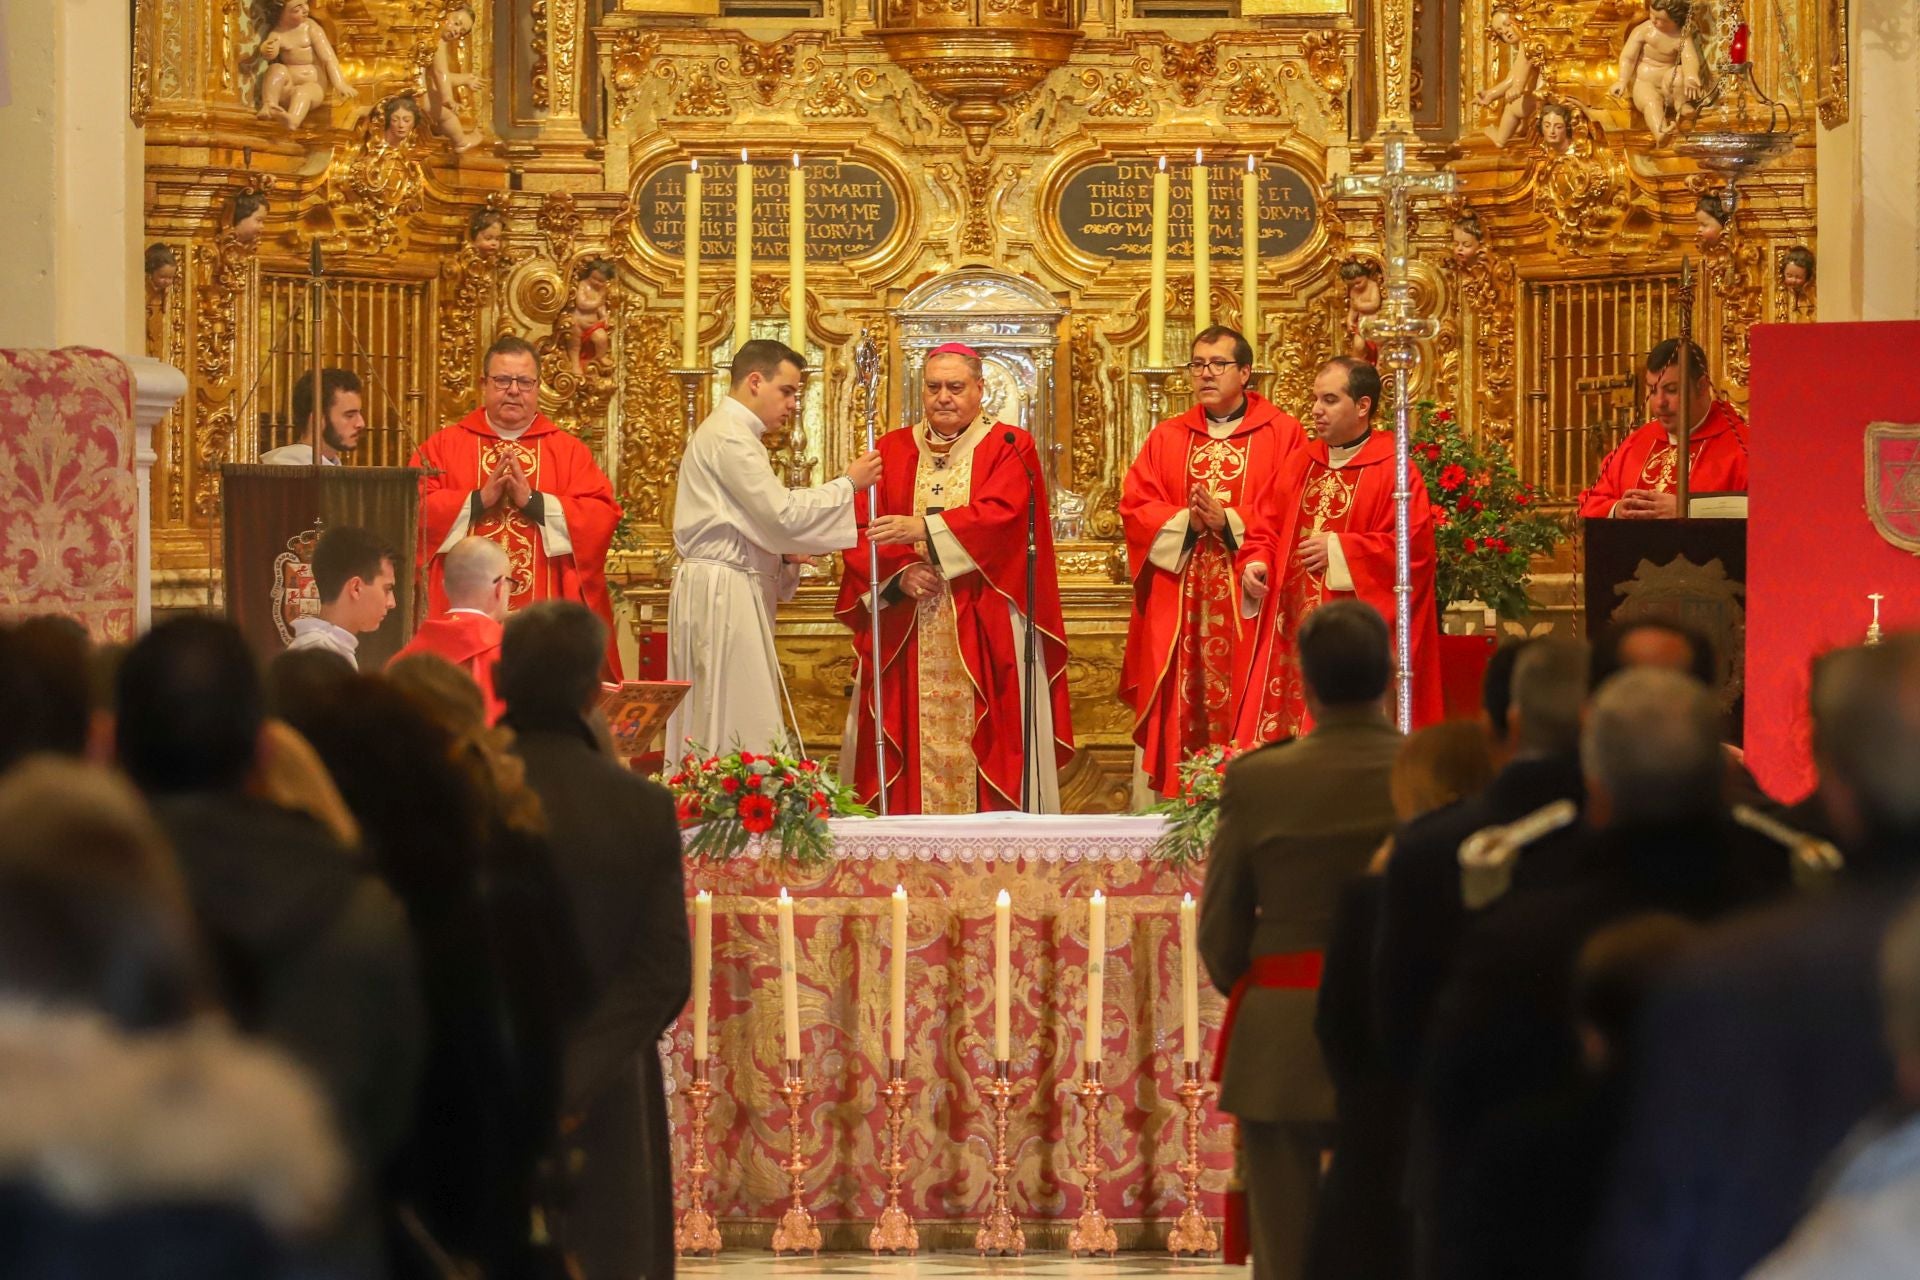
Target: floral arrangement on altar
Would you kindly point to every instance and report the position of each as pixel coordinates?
(1194, 809)
(1487, 524)
(728, 801)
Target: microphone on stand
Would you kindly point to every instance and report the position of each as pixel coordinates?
(1029, 709)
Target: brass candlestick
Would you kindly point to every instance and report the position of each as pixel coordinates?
(696, 1232)
(894, 1232)
(797, 1232)
(1000, 1233)
(1192, 1233)
(691, 383)
(1092, 1233)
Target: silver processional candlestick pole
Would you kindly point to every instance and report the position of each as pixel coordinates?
(1399, 328)
(866, 364)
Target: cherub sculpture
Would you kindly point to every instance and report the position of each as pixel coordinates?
(249, 220)
(1660, 69)
(1469, 239)
(162, 268)
(298, 54)
(487, 233)
(1710, 219)
(1518, 94)
(584, 328)
(399, 120)
(443, 81)
(1362, 278)
(1796, 270)
(1556, 128)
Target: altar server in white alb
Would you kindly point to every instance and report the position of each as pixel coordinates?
(741, 536)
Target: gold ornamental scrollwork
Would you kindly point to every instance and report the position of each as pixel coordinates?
(380, 185)
(1486, 284)
(470, 297)
(1119, 94)
(630, 56)
(1251, 91)
(1832, 78)
(833, 100)
(702, 97)
(1191, 68)
(976, 234)
(559, 222)
(650, 438)
(539, 75)
(1090, 425)
(1327, 65)
(564, 39)
(1734, 269)
(1396, 51)
(767, 68)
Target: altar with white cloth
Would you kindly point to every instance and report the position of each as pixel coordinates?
(952, 869)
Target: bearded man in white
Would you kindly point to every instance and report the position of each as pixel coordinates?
(741, 537)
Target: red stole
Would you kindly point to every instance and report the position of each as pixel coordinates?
(1185, 633)
(470, 641)
(556, 463)
(1646, 459)
(992, 526)
(1356, 502)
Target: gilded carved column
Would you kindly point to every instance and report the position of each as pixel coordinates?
(1394, 37)
(563, 77)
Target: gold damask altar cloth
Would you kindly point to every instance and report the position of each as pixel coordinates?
(952, 869)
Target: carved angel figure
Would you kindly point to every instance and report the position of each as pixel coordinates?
(443, 81)
(1469, 239)
(162, 268)
(1518, 94)
(399, 118)
(1796, 271)
(1362, 278)
(1660, 68)
(1556, 128)
(249, 220)
(298, 54)
(1710, 219)
(584, 328)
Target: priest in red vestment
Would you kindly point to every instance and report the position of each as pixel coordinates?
(1637, 479)
(476, 581)
(1184, 506)
(952, 536)
(1330, 537)
(505, 472)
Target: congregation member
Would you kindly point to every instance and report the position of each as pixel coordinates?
(477, 581)
(328, 433)
(1185, 505)
(45, 686)
(742, 537)
(1329, 535)
(312, 950)
(1767, 1046)
(1298, 821)
(506, 472)
(955, 502)
(1636, 480)
(616, 849)
(353, 575)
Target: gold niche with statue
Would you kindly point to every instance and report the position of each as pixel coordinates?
(966, 168)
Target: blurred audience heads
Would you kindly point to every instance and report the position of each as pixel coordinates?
(1549, 696)
(1866, 740)
(1438, 765)
(1651, 750)
(1346, 654)
(550, 657)
(1618, 968)
(191, 707)
(302, 682)
(1496, 691)
(46, 688)
(1654, 642)
(478, 576)
(1900, 997)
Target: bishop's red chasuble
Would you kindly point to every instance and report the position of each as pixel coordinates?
(950, 664)
(470, 641)
(1184, 636)
(1716, 452)
(563, 556)
(1354, 501)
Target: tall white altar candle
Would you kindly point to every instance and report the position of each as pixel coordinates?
(897, 979)
(1190, 976)
(702, 970)
(1096, 975)
(1157, 270)
(1202, 248)
(742, 252)
(1002, 945)
(690, 273)
(1250, 254)
(797, 257)
(789, 992)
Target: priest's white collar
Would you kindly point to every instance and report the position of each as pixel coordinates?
(744, 416)
(505, 435)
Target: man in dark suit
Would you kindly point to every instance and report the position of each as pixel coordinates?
(616, 847)
(1298, 820)
(1765, 1047)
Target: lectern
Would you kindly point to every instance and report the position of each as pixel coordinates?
(271, 519)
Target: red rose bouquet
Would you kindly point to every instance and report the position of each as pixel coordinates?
(1194, 809)
(1487, 525)
(727, 801)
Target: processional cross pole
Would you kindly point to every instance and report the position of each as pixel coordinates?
(1398, 327)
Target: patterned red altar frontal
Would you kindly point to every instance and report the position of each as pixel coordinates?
(952, 869)
(67, 490)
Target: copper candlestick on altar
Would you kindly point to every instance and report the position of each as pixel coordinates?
(696, 1231)
(1000, 1233)
(797, 1232)
(894, 1232)
(1192, 1233)
(1092, 1233)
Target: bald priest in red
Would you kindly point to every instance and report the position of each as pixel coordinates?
(1185, 506)
(1331, 537)
(476, 580)
(951, 530)
(507, 473)
(1637, 480)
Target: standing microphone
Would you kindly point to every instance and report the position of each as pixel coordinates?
(1029, 710)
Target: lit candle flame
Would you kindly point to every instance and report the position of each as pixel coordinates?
(1198, 157)
(796, 159)
(696, 164)
(1249, 164)
(1163, 164)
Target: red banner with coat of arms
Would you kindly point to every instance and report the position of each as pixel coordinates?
(1833, 518)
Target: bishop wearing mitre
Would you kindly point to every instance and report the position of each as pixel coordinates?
(1184, 507)
(952, 539)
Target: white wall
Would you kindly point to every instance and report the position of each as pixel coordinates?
(1869, 174)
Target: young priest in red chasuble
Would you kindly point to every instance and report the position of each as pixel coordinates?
(1330, 537)
(507, 473)
(1637, 480)
(1185, 507)
(952, 537)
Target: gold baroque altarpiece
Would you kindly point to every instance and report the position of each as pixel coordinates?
(974, 115)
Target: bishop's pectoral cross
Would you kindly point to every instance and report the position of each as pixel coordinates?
(1396, 186)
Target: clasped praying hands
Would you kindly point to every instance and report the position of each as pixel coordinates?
(508, 480)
